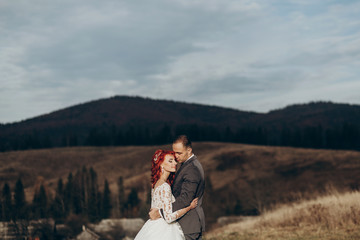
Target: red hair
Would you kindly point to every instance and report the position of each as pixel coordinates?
(157, 159)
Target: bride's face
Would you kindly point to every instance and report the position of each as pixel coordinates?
(169, 163)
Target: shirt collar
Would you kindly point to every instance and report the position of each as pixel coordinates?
(189, 158)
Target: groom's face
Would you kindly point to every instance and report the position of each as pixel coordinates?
(182, 153)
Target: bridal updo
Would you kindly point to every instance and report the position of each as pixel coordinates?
(157, 159)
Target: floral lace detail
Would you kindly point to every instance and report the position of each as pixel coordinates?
(162, 198)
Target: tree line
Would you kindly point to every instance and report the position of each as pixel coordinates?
(343, 136)
(80, 195)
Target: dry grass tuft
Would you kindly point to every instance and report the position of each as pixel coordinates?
(336, 216)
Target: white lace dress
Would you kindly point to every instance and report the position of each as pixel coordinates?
(162, 229)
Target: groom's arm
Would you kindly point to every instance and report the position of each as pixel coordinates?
(191, 180)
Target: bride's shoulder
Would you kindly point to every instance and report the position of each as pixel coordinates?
(167, 185)
(162, 185)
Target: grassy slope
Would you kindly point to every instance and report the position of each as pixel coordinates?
(52, 164)
(336, 216)
(254, 177)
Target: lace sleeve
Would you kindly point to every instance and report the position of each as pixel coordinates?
(165, 197)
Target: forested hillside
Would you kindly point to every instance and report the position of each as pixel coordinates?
(123, 121)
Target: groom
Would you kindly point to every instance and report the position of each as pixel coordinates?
(188, 184)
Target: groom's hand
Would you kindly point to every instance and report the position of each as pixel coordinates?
(154, 214)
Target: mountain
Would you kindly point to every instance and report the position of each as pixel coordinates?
(313, 114)
(123, 110)
(123, 120)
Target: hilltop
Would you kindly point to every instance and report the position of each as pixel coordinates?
(123, 120)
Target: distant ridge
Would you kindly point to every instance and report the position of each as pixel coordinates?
(125, 120)
(327, 114)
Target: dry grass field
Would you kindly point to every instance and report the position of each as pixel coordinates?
(241, 179)
(336, 217)
(52, 164)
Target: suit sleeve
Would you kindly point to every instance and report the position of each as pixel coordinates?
(191, 180)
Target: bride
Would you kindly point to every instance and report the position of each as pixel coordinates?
(162, 176)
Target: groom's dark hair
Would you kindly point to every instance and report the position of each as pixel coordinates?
(184, 140)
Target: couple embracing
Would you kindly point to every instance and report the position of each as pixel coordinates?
(176, 196)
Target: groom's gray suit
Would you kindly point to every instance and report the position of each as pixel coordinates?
(189, 183)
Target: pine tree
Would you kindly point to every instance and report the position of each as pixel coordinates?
(133, 203)
(6, 202)
(121, 196)
(58, 206)
(68, 195)
(40, 203)
(77, 194)
(84, 189)
(98, 203)
(93, 212)
(20, 210)
(238, 208)
(60, 188)
(106, 201)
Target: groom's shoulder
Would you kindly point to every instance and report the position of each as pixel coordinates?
(192, 168)
(196, 163)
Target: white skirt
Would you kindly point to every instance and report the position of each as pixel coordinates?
(160, 230)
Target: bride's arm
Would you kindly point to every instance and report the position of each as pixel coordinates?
(168, 214)
(183, 211)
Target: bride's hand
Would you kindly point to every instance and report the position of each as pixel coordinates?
(194, 203)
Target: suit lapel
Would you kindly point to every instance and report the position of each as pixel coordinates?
(188, 161)
(183, 165)
(178, 171)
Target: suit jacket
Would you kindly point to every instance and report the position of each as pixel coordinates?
(188, 184)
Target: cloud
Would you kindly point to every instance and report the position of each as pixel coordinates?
(251, 54)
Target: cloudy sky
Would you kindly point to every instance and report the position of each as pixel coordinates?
(255, 55)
